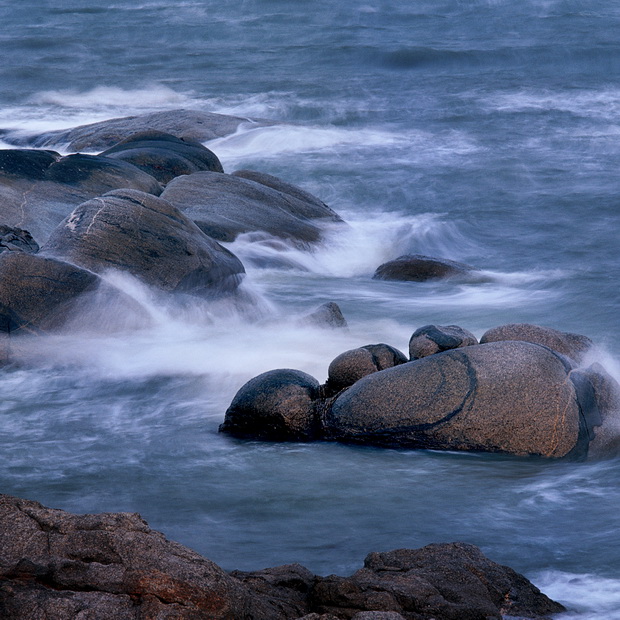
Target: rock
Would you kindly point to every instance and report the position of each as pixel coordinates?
(572, 345)
(277, 406)
(17, 240)
(307, 205)
(163, 155)
(452, 581)
(432, 339)
(38, 189)
(146, 236)
(419, 268)
(224, 206)
(326, 315)
(510, 397)
(40, 294)
(57, 565)
(354, 364)
(185, 124)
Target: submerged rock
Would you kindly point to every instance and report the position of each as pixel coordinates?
(184, 124)
(419, 268)
(277, 406)
(54, 564)
(163, 155)
(149, 238)
(326, 315)
(432, 339)
(572, 345)
(225, 206)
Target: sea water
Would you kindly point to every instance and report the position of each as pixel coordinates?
(485, 131)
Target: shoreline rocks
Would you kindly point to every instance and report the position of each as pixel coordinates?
(55, 564)
(421, 268)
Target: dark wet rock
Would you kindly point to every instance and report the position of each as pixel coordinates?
(326, 315)
(224, 206)
(352, 365)
(432, 339)
(164, 156)
(573, 345)
(54, 564)
(17, 240)
(277, 406)
(185, 124)
(510, 397)
(39, 189)
(41, 294)
(452, 581)
(307, 205)
(146, 236)
(419, 268)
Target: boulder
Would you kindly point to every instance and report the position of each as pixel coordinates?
(38, 189)
(277, 405)
(453, 581)
(509, 397)
(17, 240)
(146, 236)
(354, 364)
(573, 345)
(432, 339)
(420, 268)
(224, 206)
(163, 155)
(185, 124)
(54, 564)
(326, 315)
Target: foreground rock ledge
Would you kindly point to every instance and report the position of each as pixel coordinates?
(54, 564)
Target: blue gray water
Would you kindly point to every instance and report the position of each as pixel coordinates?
(484, 131)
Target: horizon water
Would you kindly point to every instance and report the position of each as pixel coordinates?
(485, 132)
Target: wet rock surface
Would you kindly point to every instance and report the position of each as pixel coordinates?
(420, 268)
(54, 564)
(432, 339)
(17, 240)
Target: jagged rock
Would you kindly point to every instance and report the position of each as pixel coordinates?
(419, 268)
(185, 124)
(352, 365)
(163, 155)
(146, 236)
(511, 397)
(38, 189)
(224, 206)
(277, 405)
(326, 315)
(572, 345)
(17, 240)
(432, 339)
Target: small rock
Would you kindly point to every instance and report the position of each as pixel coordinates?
(326, 315)
(420, 268)
(17, 240)
(432, 339)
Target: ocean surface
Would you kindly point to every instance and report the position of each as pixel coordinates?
(482, 131)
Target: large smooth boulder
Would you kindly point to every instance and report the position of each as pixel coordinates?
(38, 189)
(573, 345)
(163, 155)
(277, 405)
(509, 397)
(225, 206)
(354, 364)
(431, 339)
(146, 236)
(94, 137)
(420, 268)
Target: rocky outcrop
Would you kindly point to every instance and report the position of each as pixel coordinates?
(225, 206)
(94, 137)
(573, 345)
(38, 189)
(17, 240)
(55, 564)
(511, 397)
(147, 237)
(420, 268)
(432, 339)
(163, 155)
(277, 405)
